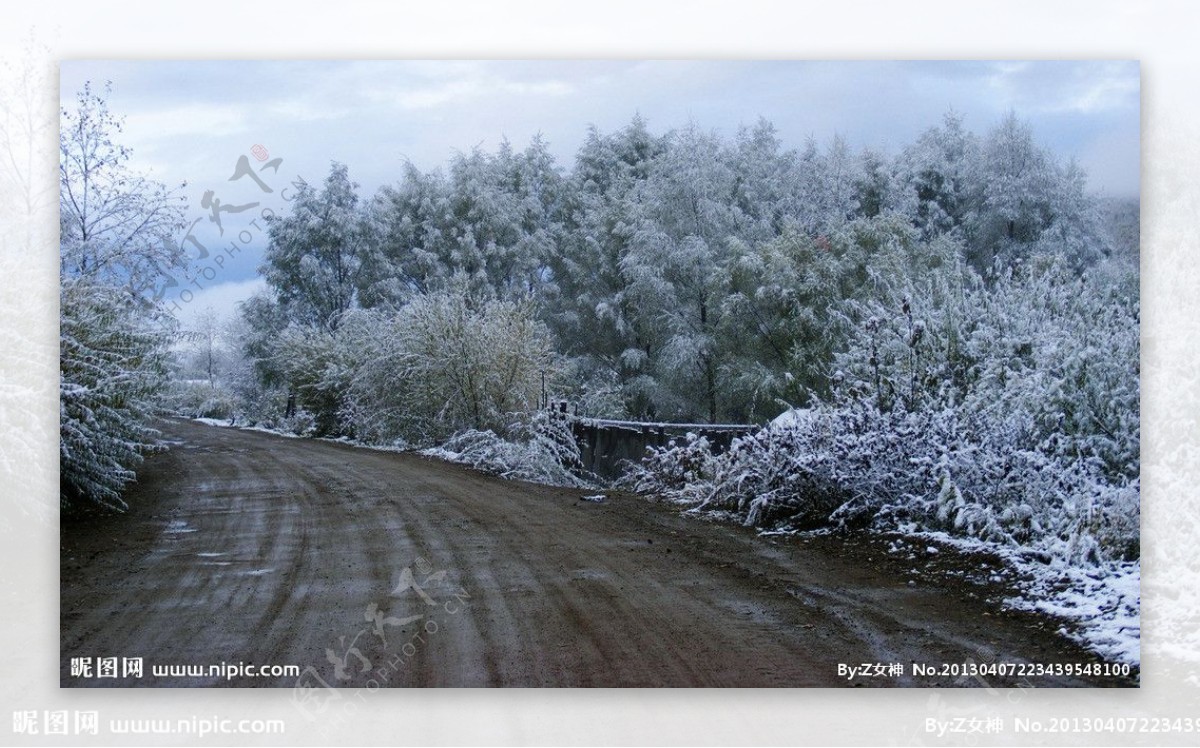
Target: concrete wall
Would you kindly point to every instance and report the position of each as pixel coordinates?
(605, 445)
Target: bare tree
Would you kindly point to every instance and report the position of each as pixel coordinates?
(206, 334)
(116, 224)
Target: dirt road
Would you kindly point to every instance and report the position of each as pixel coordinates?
(365, 568)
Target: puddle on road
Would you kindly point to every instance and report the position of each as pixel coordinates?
(754, 612)
(178, 527)
(590, 575)
(210, 554)
(256, 572)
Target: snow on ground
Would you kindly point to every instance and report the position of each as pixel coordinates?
(1101, 604)
(442, 454)
(265, 430)
(1104, 603)
(227, 423)
(641, 425)
(791, 417)
(398, 446)
(222, 422)
(535, 461)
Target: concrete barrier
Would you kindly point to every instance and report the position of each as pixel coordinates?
(605, 445)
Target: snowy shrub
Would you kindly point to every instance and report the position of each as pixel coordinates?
(112, 360)
(300, 423)
(199, 399)
(312, 363)
(597, 393)
(445, 363)
(469, 364)
(1040, 350)
(854, 465)
(675, 470)
(259, 405)
(1006, 412)
(541, 449)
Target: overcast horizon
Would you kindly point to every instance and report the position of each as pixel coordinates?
(189, 121)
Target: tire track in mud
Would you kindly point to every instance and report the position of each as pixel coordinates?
(246, 547)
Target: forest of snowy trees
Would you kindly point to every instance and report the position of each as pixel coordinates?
(956, 322)
(680, 277)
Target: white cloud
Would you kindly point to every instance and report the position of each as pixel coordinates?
(1104, 94)
(1066, 88)
(306, 110)
(186, 120)
(472, 85)
(435, 96)
(222, 298)
(538, 88)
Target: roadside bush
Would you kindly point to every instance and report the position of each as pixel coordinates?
(444, 364)
(540, 448)
(199, 399)
(112, 356)
(854, 465)
(1006, 412)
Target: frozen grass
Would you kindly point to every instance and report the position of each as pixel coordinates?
(1100, 605)
(541, 451)
(221, 422)
(1068, 532)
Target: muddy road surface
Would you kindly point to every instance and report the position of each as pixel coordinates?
(249, 559)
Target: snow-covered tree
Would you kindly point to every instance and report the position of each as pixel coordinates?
(1075, 230)
(1017, 181)
(312, 362)
(446, 362)
(248, 375)
(409, 240)
(262, 320)
(701, 277)
(939, 171)
(313, 259)
(117, 225)
(205, 346)
(676, 268)
(586, 301)
(207, 377)
(877, 188)
(113, 360)
(765, 177)
(494, 219)
(118, 237)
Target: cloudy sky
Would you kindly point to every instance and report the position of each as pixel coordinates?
(191, 121)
